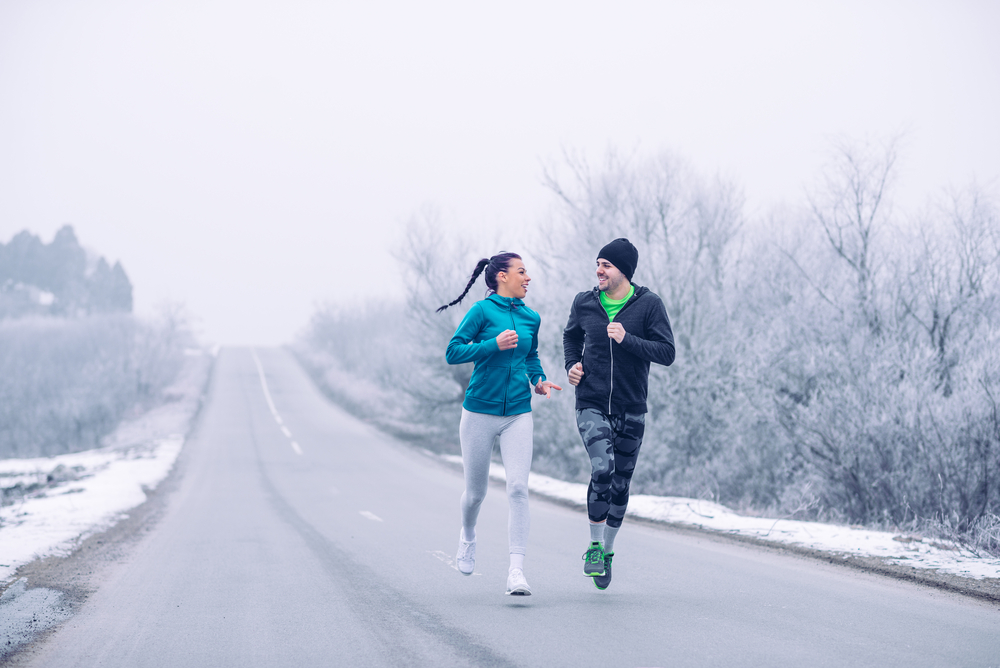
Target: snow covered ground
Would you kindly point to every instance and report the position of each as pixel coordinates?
(903, 549)
(74, 496)
(60, 501)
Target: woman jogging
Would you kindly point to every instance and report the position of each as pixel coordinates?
(499, 334)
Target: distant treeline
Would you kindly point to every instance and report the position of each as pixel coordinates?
(73, 360)
(836, 360)
(59, 278)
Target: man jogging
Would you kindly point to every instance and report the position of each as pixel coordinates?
(614, 332)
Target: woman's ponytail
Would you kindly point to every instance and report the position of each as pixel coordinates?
(493, 266)
(475, 274)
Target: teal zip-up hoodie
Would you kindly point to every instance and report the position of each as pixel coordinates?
(502, 379)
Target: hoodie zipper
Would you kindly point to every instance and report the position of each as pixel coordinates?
(611, 389)
(611, 349)
(506, 387)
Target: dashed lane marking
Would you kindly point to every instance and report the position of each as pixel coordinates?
(370, 515)
(296, 448)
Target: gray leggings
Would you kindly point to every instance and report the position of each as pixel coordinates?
(478, 432)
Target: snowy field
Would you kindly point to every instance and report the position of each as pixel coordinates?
(902, 549)
(57, 502)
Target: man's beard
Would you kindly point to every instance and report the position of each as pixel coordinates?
(609, 286)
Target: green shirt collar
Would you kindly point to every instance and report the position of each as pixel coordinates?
(612, 306)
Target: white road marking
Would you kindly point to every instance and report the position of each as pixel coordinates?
(296, 448)
(370, 515)
(263, 384)
(446, 559)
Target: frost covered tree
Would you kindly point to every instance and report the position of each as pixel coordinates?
(835, 361)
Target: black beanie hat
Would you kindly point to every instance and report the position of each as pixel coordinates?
(622, 254)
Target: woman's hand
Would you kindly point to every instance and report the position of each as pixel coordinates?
(507, 339)
(575, 374)
(544, 386)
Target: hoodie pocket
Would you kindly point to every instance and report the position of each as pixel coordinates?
(519, 389)
(487, 383)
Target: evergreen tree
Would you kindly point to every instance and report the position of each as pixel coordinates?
(38, 278)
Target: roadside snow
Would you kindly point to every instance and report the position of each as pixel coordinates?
(918, 552)
(73, 496)
(70, 497)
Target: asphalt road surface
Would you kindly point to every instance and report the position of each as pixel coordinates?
(317, 541)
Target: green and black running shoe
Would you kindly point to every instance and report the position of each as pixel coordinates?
(593, 560)
(602, 581)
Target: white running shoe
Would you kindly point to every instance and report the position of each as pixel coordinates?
(516, 584)
(466, 557)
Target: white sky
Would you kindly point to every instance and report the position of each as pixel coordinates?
(252, 159)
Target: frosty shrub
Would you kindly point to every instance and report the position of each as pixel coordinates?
(888, 395)
(386, 361)
(352, 355)
(66, 383)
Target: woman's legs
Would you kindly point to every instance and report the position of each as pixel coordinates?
(477, 435)
(478, 432)
(515, 449)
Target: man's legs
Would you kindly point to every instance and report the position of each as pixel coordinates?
(612, 444)
(628, 432)
(598, 439)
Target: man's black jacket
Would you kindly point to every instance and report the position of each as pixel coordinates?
(616, 375)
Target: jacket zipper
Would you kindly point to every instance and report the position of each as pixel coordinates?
(506, 387)
(611, 349)
(611, 389)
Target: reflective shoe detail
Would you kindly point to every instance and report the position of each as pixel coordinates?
(593, 560)
(602, 581)
(466, 557)
(516, 584)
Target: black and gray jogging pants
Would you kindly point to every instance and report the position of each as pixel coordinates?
(612, 442)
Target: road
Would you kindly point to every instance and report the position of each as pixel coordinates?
(318, 541)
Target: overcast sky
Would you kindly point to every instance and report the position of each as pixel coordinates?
(253, 159)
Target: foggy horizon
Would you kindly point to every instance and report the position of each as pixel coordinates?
(254, 161)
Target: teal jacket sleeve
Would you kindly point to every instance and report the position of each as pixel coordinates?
(463, 346)
(534, 365)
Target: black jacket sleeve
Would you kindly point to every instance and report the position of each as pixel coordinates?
(658, 347)
(573, 338)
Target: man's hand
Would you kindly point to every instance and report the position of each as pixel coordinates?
(575, 374)
(507, 339)
(616, 331)
(544, 387)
